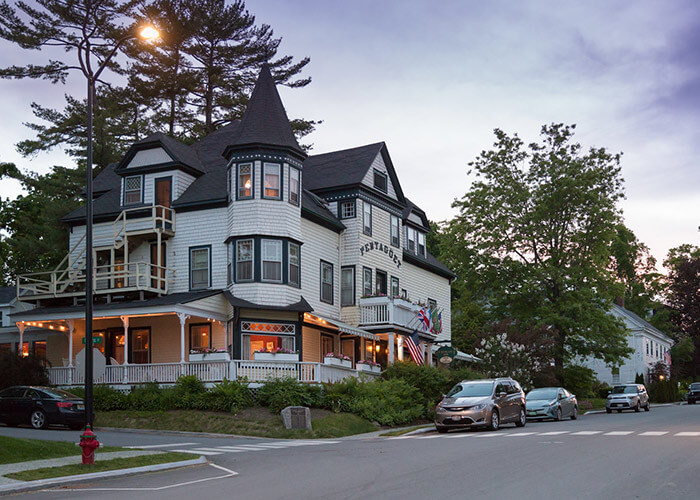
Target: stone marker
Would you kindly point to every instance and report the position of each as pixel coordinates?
(296, 417)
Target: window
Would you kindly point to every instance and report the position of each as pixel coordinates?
(245, 181)
(381, 282)
(647, 344)
(380, 181)
(268, 336)
(294, 264)
(199, 268)
(347, 209)
(271, 180)
(347, 286)
(394, 286)
(132, 189)
(272, 260)
(411, 239)
(229, 264)
(367, 218)
(404, 293)
(139, 345)
(294, 185)
(432, 304)
(421, 244)
(326, 345)
(395, 240)
(326, 282)
(244, 260)
(200, 336)
(366, 282)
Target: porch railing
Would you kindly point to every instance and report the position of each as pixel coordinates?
(208, 371)
(388, 311)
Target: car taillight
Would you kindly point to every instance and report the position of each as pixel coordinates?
(64, 405)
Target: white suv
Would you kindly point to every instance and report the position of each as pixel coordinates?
(627, 397)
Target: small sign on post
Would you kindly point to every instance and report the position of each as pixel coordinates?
(95, 340)
(446, 354)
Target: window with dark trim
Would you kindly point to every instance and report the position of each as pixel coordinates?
(411, 239)
(380, 181)
(395, 231)
(244, 260)
(294, 185)
(380, 282)
(272, 181)
(347, 286)
(404, 293)
(326, 282)
(245, 181)
(432, 304)
(133, 189)
(421, 243)
(200, 336)
(272, 260)
(294, 264)
(395, 286)
(200, 267)
(229, 263)
(366, 282)
(347, 209)
(366, 218)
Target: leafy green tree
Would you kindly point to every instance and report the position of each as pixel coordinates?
(535, 229)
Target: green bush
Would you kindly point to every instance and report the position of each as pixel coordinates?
(431, 382)
(639, 378)
(663, 391)
(189, 384)
(601, 389)
(579, 380)
(20, 370)
(147, 397)
(107, 399)
(388, 402)
(280, 393)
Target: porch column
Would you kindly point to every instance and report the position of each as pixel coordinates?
(21, 326)
(428, 354)
(399, 346)
(71, 328)
(125, 325)
(183, 318)
(391, 348)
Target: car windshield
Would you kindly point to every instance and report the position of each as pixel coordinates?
(695, 387)
(624, 389)
(537, 394)
(59, 394)
(476, 389)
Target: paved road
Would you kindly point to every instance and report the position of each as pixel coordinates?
(629, 455)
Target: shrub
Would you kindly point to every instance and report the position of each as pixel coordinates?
(388, 402)
(232, 395)
(663, 391)
(601, 389)
(147, 397)
(189, 384)
(639, 378)
(431, 382)
(278, 394)
(19, 370)
(107, 399)
(579, 380)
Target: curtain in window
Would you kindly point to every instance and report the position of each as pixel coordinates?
(272, 260)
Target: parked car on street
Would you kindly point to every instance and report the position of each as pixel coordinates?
(551, 402)
(481, 403)
(627, 397)
(41, 406)
(693, 393)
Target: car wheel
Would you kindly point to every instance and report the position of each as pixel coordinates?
(38, 420)
(495, 421)
(441, 430)
(637, 408)
(558, 417)
(574, 414)
(522, 420)
(608, 410)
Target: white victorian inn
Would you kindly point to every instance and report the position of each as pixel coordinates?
(241, 256)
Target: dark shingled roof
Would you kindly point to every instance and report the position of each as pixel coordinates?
(301, 306)
(429, 262)
(339, 168)
(265, 121)
(180, 152)
(7, 294)
(315, 209)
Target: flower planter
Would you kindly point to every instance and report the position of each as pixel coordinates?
(362, 367)
(210, 356)
(338, 362)
(279, 356)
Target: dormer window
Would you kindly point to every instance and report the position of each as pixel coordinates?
(380, 181)
(421, 244)
(245, 181)
(294, 186)
(133, 189)
(411, 239)
(271, 181)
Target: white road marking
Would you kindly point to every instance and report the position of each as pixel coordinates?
(458, 436)
(553, 433)
(198, 452)
(653, 433)
(522, 434)
(495, 434)
(585, 433)
(160, 445)
(618, 433)
(401, 437)
(427, 437)
(687, 434)
(240, 446)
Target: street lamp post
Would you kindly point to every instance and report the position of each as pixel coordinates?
(147, 33)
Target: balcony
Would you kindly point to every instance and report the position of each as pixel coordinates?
(387, 311)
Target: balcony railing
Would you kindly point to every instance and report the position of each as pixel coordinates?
(208, 371)
(395, 311)
(143, 220)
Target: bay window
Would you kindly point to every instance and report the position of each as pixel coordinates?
(294, 186)
(245, 181)
(294, 264)
(271, 181)
(244, 260)
(272, 260)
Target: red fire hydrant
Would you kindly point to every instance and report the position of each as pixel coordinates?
(89, 443)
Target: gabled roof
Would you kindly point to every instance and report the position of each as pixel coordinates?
(315, 209)
(7, 294)
(638, 322)
(180, 153)
(412, 207)
(265, 122)
(429, 262)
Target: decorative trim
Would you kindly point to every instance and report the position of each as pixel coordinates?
(268, 328)
(143, 190)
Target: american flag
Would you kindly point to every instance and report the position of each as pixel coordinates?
(667, 357)
(414, 348)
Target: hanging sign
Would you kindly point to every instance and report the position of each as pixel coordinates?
(390, 252)
(446, 354)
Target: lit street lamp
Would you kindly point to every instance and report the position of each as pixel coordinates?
(149, 33)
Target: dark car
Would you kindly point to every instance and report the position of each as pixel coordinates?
(551, 402)
(40, 407)
(481, 403)
(693, 393)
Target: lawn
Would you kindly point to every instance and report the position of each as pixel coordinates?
(100, 465)
(13, 450)
(249, 422)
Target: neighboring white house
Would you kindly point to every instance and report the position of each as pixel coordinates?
(34, 341)
(241, 242)
(648, 343)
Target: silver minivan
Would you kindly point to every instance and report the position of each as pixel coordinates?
(627, 397)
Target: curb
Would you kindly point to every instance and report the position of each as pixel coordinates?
(43, 483)
(158, 432)
(424, 430)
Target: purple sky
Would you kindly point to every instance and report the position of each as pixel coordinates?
(433, 79)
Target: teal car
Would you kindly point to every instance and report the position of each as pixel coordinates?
(551, 402)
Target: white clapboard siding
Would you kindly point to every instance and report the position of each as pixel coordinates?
(319, 244)
(379, 164)
(269, 294)
(376, 258)
(422, 285)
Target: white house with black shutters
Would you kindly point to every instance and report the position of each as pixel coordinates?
(242, 244)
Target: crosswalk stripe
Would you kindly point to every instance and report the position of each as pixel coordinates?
(522, 434)
(400, 437)
(553, 433)
(199, 452)
(458, 436)
(495, 434)
(427, 437)
(585, 433)
(144, 447)
(232, 449)
(653, 433)
(687, 434)
(618, 433)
